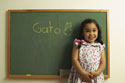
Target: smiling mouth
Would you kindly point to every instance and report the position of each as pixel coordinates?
(91, 38)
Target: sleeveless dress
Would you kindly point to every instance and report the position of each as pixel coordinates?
(89, 59)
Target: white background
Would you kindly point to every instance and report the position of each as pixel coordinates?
(116, 25)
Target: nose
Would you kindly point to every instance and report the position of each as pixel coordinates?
(91, 33)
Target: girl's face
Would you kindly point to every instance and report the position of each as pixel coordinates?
(90, 32)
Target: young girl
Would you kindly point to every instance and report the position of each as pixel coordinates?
(88, 55)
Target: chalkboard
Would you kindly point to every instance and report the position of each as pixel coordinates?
(40, 41)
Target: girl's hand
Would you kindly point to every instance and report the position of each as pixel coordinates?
(95, 74)
(87, 77)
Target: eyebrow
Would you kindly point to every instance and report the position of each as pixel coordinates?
(95, 28)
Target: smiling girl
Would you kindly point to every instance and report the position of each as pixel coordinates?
(88, 55)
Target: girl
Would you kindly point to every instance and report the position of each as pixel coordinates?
(88, 55)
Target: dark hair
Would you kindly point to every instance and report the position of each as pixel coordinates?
(89, 20)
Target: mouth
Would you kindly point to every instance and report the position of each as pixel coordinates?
(91, 37)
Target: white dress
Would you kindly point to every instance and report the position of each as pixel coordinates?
(89, 59)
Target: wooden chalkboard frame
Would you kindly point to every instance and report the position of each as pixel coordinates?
(54, 10)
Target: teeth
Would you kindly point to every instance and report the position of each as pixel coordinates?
(91, 37)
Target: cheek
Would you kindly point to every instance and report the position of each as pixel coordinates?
(85, 35)
(97, 34)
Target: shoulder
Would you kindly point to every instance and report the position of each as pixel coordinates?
(102, 47)
(77, 42)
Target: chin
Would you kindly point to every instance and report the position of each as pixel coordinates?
(91, 41)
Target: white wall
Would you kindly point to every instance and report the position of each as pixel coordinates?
(117, 33)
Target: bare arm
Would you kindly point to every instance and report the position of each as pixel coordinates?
(102, 64)
(84, 75)
(75, 60)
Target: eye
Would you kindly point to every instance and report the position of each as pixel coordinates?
(94, 30)
(87, 30)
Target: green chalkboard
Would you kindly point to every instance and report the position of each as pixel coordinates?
(40, 41)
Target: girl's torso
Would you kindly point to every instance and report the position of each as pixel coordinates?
(89, 59)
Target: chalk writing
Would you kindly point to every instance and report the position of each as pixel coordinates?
(67, 30)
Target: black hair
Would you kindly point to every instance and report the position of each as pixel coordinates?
(83, 24)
